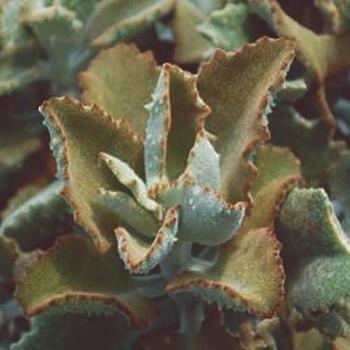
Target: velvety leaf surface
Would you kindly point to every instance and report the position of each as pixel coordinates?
(78, 134)
(76, 278)
(13, 158)
(8, 256)
(309, 139)
(56, 29)
(227, 28)
(119, 20)
(36, 222)
(124, 90)
(204, 217)
(176, 114)
(238, 87)
(322, 55)
(141, 256)
(317, 252)
(248, 274)
(191, 46)
(130, 212)
(74, 331)
(203, 164)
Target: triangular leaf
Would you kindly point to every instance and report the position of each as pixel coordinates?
(141, 256)
(124, 90)
(176, 114)
(78, 134)
(76, 278)
(238, 87)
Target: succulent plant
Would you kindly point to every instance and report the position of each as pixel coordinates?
(200, 203)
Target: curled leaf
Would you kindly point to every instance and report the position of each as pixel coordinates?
(78, 134)
(238, 87)
(140, 256)
(92, 284)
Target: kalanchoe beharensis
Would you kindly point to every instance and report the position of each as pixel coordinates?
(52, 40)
(161, 166)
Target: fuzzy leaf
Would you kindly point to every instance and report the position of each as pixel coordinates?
(248, 274)
(76, 331)
(322, 55)
(129, 212)
(238, 87)
(13, 158)
(191, 46)
(130, 179)
(92, 284)
(227, 28)
(39, 220)
(339, 184)
(118, 20)
(176, 114)
(141, 256)
(309, 139)
(133, 78)
(78, 134)
(204, 217)
(57, 30)
(8, 256)
(203, 165)
(317, 252)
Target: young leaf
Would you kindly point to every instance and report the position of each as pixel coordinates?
(176, 114)
(141, 256)
(79, 133)
(92, 284)
(240, 278)
(238, 88)
(204, 217)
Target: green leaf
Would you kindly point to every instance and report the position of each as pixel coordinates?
(57, 30)
(204, 217)
(316, 251)
(191, 46)
(56, 331)
(78, 134)
(238, 88)
(75, 278)
(248, 275)
(339, 184)
(117, 20)
(227, 28)
(132, 181)
(39, 220)
(322, 55)
(129, 212)
(124, 90)
(203, 166)
(176, 114)
(8, 256)
(309, 139)
(141, 256)
(13, 158)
